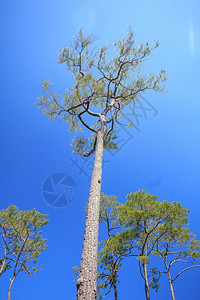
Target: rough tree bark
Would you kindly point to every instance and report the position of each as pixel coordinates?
(86, 284)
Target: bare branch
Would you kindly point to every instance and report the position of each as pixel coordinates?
(141, 270)
(83, 122)
(152, 247)
(194, 266)
(148, 233)
(92, 150)
(111, 129)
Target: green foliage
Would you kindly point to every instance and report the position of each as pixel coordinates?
(21, 238)
(109, 263)
(109, 142)
(145, 220)
(108, 276)
(155, 275)
(105, 82)
(178, 245)
(76, 272)
(143, 259)
(81, 144)
(108, 209)
(5, 268)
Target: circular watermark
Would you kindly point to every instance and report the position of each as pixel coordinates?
(59, 189)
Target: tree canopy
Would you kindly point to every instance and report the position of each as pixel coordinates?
(105, 82)
(144, 228)
(21, 241)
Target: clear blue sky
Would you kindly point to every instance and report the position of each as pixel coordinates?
(162, 156)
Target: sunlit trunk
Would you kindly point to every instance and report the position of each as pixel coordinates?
(146, 281)
(9, 289)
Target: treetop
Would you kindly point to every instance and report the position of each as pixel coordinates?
(105, 82)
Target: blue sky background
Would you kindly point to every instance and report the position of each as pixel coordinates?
(161, 157)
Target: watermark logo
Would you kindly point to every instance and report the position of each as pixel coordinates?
(59, 189)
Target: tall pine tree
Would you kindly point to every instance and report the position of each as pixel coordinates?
(106, 82)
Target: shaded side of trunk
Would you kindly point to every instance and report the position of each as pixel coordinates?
(87, 282)
(144, 265)
(114, 272)
(169, 280)
(115, 290)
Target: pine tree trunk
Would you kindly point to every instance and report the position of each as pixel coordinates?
(87, 282)
(114, 276)
(115, 291)
(115, 279)
(145, 270)
(146, 281)
(170, 281)
(9, 289)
